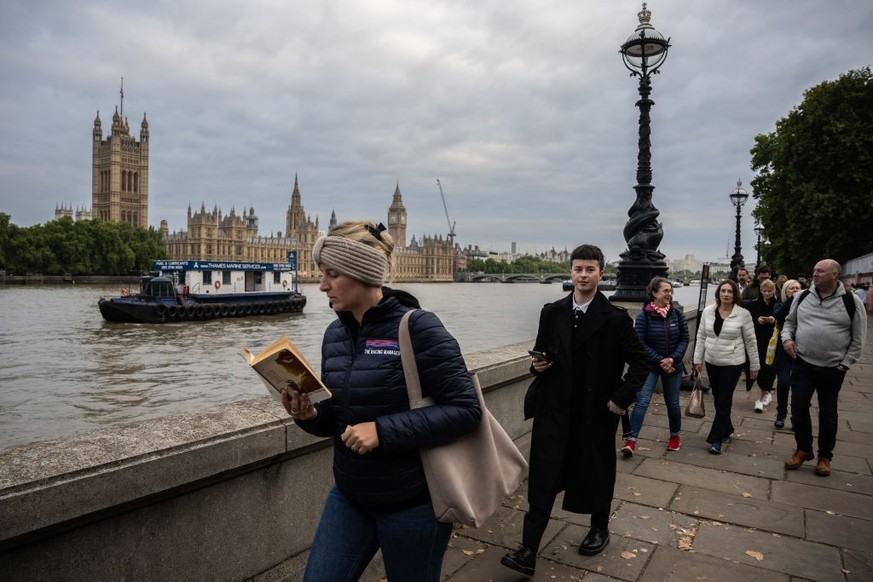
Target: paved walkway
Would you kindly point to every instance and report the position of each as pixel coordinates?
(689, 515)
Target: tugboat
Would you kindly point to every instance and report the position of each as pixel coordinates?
(198, 290)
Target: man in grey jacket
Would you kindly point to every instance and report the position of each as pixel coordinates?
(824, 340)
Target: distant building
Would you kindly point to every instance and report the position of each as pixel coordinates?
(689, 263)
(62, 210)
(212, 235)
(120, 173)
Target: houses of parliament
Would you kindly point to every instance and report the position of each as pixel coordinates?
(120, 193)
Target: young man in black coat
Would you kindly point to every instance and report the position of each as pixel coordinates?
(579, 398)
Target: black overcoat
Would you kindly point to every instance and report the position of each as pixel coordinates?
(572, 446)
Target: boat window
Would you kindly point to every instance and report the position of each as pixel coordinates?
(277, 277)
(207, 277)
(225, 277)
(258, 278)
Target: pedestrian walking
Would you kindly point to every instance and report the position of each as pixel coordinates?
(725, 338)
(824, 333)
(585, 343)
(663, 331)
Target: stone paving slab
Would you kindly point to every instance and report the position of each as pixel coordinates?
(858, 566)
(672, 564)
(486, 566)
(623, 558)
(504, 529)
(778, 553)
(740, 510)
(649, 524)
(838, 530)
(842, 480)
(812, 497)
(715, 479)
(735, 463)
(643, 490)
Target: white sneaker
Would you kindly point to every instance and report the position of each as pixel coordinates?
(759, 406)
(767, 399)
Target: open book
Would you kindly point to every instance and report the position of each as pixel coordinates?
(283, 368)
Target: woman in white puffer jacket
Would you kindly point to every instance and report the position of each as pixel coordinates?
(725, 337)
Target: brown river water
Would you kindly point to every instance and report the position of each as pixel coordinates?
(64, 370)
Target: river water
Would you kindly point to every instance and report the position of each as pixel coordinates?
(64, 370)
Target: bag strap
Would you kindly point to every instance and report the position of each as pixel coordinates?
(848, 302)
(410, 367)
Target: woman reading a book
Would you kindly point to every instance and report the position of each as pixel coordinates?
(380, 498)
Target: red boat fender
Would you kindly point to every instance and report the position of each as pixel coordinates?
(125, 292)
(285, 283)
(218, 284)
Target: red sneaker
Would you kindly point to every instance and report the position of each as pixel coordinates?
(628, 449)
(673, 444)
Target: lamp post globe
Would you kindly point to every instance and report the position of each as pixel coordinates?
(738, 197)
(643, 53)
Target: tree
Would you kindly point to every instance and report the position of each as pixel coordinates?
(83, 248)
(814, 182)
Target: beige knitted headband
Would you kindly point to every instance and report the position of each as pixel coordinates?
(350, 257)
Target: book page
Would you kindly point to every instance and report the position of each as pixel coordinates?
(283, 368)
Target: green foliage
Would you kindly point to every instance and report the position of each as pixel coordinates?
(82, 248)
(523, 264)
(814, 182)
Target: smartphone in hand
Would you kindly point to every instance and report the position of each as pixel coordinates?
(538, 355)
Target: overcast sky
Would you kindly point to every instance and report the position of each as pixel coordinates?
(523, 110)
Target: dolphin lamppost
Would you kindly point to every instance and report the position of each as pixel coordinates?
(643, 54)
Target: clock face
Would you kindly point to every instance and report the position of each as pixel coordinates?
(402, 220)
(392, 219)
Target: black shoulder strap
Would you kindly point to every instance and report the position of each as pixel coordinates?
(848, 301)
(803, 295)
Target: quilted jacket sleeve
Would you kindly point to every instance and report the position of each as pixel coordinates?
(444, 377)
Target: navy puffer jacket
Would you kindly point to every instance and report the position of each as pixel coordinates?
(663, 337)
(361, 366)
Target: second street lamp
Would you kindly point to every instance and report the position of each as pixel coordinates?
(643, 53)
(759, 230)
(738, 197)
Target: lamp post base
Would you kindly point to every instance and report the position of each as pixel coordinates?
(633, 278)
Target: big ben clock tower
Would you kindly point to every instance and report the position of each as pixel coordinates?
(397, 219)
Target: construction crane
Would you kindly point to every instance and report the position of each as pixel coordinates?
(451, 223)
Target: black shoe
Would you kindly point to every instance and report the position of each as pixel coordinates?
(595, 541)
(780, 422)
(523, 560)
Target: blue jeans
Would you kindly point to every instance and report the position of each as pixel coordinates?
(783, 386)
(413, 542)
(722, 383)
(672, 384)
(806, 379)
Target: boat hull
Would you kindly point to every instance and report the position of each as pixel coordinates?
(136, 309)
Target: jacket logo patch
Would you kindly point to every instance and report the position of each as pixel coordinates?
(379, 347)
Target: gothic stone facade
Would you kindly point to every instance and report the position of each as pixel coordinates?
(214, 236)
(120, 173)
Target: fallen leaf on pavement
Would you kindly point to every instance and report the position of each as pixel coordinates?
(628, 555)
(746, 494)
(757, 555)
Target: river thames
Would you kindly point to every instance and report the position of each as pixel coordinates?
(63, 370)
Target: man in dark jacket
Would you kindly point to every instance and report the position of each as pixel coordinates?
(579, 397)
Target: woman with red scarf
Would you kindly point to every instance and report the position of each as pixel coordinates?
(663, 331)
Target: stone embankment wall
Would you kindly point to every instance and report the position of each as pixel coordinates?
(231, 493)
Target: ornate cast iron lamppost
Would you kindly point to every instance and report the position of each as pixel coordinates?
(759, 231)
(643, 54)
(738, 197)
